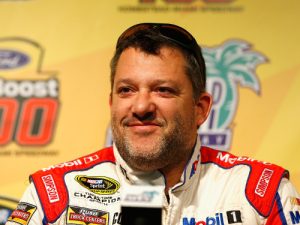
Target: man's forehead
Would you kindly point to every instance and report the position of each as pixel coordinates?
(135, 66)
(162, 52)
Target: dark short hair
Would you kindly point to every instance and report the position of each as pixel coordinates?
(151, 40)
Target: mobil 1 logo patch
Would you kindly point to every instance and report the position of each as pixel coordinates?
(234, 216)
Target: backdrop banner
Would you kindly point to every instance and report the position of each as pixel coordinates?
(54, 79)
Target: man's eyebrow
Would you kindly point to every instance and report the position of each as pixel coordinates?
(168, 82)
(124, 80)
(162, 81)
(156, 81)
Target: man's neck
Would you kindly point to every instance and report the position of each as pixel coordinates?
(173, 174)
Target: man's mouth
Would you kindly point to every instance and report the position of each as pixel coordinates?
(143, 127)
(136, 124)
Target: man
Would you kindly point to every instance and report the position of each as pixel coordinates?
(158, 101)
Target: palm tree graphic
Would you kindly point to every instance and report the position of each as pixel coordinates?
(230, 65)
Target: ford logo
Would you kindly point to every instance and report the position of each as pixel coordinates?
(10, 59)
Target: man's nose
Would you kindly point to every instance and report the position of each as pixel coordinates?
(143, 104)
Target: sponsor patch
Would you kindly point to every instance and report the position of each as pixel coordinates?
(233, 217)
(23, 213)
(99, 184)
(50, 188)
(85, 216)
(214, 220)
(227, 158)
(104, 200)
(263, 182)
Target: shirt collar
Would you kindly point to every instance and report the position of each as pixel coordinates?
(135, 177)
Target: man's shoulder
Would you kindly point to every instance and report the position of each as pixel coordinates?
(263, 180)
(50, 182)
(228, 160)
(81, 163)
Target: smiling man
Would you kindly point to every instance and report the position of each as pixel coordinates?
(154, 114)
(158, 101)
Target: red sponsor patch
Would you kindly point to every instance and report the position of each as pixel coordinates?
(263, 182)
(85, 216)
(50, 188)
(23, 213)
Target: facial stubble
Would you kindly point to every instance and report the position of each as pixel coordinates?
(169, 148)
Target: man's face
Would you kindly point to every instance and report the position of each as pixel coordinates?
(154, 114)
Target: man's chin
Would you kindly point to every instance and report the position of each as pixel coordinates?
(145, 160)
(143, 168)
(145, 165)
(144, 139)
(144, 155)
(144, 147)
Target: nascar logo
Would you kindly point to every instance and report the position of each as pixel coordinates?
(99, 184)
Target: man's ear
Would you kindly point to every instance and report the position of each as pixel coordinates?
(203, 105)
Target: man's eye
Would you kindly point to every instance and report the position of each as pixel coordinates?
(166, 91)
(124, 90)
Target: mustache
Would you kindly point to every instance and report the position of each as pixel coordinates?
(130, 121)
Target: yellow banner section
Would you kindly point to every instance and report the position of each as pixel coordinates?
(54, 78)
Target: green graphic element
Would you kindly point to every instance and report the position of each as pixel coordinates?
(231, 65)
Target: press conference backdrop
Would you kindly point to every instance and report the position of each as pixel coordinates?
(54, 78)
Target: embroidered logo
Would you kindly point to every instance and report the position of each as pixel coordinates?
(23, 213)
(50, 188)
(85, 216)
(263, 182)
(99, 184)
